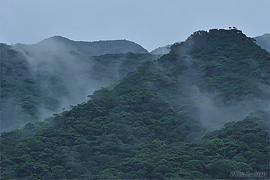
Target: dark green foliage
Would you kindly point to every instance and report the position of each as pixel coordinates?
(116, 66)
(231, 63)
(153, 123)
(20, 93)
(30, 90)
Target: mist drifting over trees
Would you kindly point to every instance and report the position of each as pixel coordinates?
(52, 75)
(199, 110)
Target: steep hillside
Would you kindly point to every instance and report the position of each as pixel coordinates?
(217, 76)
(263, 41)
(155, 122)
(36, 83)
(231, 64)
(19, 90)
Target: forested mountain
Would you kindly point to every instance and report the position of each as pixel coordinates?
(37, 81)
(161, 120)
(264, 41)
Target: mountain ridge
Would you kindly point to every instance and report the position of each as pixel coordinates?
(94, 48)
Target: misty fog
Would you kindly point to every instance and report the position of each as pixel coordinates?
(66, 77)
(53, 59)
(210, 108)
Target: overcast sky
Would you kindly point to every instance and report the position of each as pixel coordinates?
(150, 23)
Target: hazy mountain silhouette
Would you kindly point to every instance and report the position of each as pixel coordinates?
(95, 48)
(263, 41)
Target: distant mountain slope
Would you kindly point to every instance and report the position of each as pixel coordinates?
(88, 48)
(161, 50)
(264, 41)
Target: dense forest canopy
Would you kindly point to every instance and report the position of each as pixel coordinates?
(199, 111)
